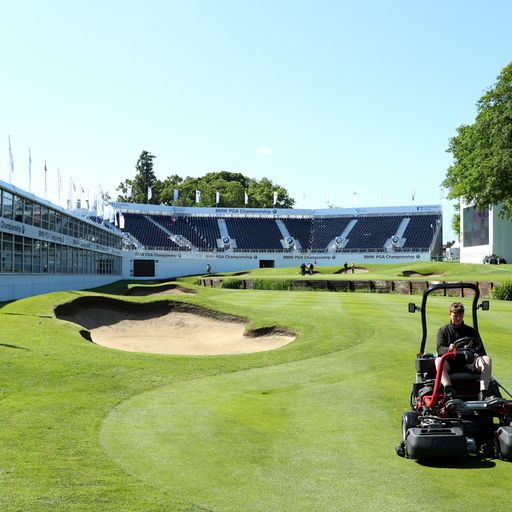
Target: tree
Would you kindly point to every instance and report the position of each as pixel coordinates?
(137, 190)
(231, 187)
(261, 194)
(482, 170)
(456, 220)
(169, 185)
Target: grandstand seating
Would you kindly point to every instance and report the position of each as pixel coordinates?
(201, 232)
(326, 229)
(255, 233)
(371, 233)
(367, 233)
(420, 231)
(146, 232)
(301, 229)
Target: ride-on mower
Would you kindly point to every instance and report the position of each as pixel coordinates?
(442, 426)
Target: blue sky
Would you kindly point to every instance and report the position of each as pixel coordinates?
(325, 98)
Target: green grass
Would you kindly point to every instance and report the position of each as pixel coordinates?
(310, 426)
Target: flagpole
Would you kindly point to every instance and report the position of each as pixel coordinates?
(29, 171)
(11, 162)
(58, 185)
(45, 180)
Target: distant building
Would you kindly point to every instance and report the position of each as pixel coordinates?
(484, 234)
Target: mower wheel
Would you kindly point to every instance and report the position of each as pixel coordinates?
(409, 420)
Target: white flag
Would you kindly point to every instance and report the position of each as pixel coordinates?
(275, 198)
(198, 196)
(175, 194)
(121, 221)
(128, 191)
(217, 197)
(246, 198)
(150, 193)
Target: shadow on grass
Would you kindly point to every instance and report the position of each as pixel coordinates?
(9, 345)
(466, 463)
(122, 287)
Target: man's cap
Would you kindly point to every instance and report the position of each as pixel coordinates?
(457, 307)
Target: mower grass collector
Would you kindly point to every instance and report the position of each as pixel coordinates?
(439, 426)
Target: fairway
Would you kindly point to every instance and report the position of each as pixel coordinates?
(309, 426)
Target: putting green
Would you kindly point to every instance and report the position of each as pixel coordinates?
(317, 434)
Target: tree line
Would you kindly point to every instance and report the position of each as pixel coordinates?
(221, 189)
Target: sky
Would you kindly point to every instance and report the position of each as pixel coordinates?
(343, 103)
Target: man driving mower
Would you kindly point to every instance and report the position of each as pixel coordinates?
(478, 362)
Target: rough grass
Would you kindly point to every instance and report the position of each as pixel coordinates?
(311, 426)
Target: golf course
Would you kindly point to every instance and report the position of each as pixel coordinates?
(299, 412)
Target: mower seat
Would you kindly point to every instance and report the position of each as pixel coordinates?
(466, 384)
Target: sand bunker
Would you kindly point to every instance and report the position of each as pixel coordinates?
(357, 270)
(412, 273)
(167, 328)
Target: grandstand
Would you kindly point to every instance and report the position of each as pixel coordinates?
(231, 239)
(46, 248)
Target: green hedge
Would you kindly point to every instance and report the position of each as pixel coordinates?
(271, 284)
(503, 291)
(232, 283)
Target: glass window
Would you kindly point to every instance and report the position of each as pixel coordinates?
(58, 222)
(36, 256)
(76, 254)
(58, 258)
(44, 217)
(28, 212)
(51, 258)
(27, 255)
(52, 220)
(18, 253)
(76, 232)
(7, 252)
(37, 215)
(65, 224)
(7, 207)
(18, 208)
(69, 265)
(44, 256)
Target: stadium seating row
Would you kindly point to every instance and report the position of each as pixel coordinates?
(207, 233)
